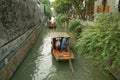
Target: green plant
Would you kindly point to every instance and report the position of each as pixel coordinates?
(75, 25)
(58, 18)
(102, 42)
(63, 18)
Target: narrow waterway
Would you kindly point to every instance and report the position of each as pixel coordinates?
(41, 65)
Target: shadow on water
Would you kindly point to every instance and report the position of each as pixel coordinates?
(41, 65)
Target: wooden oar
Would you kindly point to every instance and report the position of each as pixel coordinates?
(70, 64)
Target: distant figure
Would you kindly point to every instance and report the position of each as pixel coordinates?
(63, 45)
(52, 20)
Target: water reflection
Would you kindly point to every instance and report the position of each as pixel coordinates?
(44, 66)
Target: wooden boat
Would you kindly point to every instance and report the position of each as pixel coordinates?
(64, 55)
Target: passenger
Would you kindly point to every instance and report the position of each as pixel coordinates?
(64, 45)
(57, 44)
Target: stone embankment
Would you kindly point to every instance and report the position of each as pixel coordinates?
(21, 22)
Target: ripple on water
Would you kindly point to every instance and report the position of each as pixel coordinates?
(44, 67)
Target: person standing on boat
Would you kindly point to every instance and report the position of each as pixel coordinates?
(63, 45)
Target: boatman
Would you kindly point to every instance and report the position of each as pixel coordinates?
(63, 45)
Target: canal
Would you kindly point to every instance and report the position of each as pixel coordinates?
(39, 64)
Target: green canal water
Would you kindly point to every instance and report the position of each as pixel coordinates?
(41, 65)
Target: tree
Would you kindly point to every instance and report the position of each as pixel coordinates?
(81, 6)
(104, 3)
(62, 6)
(47, 7)
(119, 6)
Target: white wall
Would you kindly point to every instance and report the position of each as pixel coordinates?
(112, 3)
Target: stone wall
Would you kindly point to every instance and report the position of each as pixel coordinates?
(18, 16)
(8, 50)
(12, 64)
(21, 22)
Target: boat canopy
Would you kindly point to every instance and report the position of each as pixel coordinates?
(59, 34)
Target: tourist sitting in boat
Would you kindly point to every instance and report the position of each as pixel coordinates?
(64, 45)
(57, 44)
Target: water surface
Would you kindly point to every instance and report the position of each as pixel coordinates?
(41, 65)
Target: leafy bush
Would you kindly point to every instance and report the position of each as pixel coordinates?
(63, 18)
(75, 25)
(102, 41)
(58, 18)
